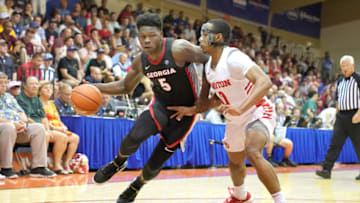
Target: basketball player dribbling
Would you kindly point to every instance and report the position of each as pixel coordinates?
(165, 62)
(241, 86)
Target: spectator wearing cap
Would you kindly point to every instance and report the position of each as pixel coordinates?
(47, 70)
(31, 68)
(101, 64)
(97, 62)
(14, 88)
(68, 67)
(7, 7)
(36, 40)
(15, 20)
(7, 65)
(50, 32)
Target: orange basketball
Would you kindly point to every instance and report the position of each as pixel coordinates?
(86, 99)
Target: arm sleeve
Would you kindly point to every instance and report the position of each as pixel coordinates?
(239, 64)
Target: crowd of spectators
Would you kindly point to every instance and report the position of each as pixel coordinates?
(93, 44)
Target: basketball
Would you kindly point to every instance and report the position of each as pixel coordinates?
(86, 99)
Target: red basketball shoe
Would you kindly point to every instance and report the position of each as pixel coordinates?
(232, 199)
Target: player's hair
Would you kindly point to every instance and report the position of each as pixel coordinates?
(149, 19)
(221, 26)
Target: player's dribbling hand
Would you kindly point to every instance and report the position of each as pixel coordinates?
(181, 111)
(230, 110)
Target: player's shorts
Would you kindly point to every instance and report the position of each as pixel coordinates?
(172, 131)
(262, 119)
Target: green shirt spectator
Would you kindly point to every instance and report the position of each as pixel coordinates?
(310, 107)
(32, 107)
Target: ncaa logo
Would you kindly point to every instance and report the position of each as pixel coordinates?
(166, 62)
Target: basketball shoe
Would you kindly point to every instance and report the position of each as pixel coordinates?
(129, 195)
(233, 199)
(106, 172)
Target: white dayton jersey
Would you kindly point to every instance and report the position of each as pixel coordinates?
(229, 82)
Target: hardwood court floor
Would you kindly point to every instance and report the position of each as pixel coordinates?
(186, 186)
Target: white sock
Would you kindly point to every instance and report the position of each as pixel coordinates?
(278, 197)
(240, 192)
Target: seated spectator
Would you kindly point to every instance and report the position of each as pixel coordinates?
(113, 24)
(100, 63)
(295, 119)
(279, 140)
(117, 42)
(107, 106)
(47, 70)
(26, 47)
(34, 110)
(105, 33)
(50, 33)
(31, 68)
(327, 117)
(119, 69)
(95, 75)
(55, 124)
(309, 110)
(15, 20)
(11, 40)
(107, 58)
(87, 53)
(68, 67)
(14, 88)
(16, 129)
(7, 65)
(62, 102)
(59, 42)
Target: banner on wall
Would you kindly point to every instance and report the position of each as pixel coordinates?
(195, 2)
(304, 20)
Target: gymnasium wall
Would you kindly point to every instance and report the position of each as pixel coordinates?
(342, 39)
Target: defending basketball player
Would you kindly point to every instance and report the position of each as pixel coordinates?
(165, 62)
(241, 86)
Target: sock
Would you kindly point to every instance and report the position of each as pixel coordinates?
(240, 192)
(278, 197)
(119, 161)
